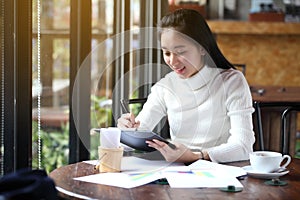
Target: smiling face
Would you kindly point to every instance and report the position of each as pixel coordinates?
(184, 56)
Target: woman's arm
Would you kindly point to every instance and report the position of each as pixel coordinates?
(239, 109)
(153, 110)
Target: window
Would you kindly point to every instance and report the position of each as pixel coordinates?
(45, 44)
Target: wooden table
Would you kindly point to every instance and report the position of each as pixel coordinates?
(253, 188)
(275, 94)
(273, 100)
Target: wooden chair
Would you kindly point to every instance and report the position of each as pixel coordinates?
(285, 135)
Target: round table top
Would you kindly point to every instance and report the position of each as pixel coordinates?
(254, 188)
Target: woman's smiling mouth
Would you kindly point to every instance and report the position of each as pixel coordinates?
(180, 70)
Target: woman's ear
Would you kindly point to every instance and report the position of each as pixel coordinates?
(202, 51)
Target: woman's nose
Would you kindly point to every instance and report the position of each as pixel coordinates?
(173, 59)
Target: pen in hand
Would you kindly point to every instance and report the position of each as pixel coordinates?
(124, 108)
(131, 117)
(135, 124)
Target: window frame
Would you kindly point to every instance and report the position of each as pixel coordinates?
(17, 85)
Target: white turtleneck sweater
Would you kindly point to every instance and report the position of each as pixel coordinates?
(211, 111)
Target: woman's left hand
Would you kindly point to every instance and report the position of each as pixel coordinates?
(180, 154)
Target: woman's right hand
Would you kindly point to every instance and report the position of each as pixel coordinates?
(127, 120)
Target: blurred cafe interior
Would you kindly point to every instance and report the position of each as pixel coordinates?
(64, 62)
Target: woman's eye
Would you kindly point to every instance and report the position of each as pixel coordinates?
(180, 52)
(167, 53)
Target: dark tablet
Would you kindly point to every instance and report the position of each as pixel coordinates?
(137, 139)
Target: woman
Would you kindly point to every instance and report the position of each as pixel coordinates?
(207, 101)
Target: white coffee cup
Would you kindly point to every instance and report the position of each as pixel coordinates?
(268, 161)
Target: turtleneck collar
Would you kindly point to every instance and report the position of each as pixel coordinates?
(202, 77)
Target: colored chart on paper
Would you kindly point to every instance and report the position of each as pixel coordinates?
(204, 174)
(135, 177)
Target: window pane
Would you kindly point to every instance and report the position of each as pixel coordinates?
(51, 119)
(50, 78)
(101, 75)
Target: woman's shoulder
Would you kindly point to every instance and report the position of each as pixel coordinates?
(232, 76)
(232, 73)
(168, 80)
(233, 79)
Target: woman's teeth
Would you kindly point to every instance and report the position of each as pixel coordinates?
(179, 70)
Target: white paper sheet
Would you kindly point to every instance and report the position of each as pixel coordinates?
(201, 178)
(133, 165)
(121, 179)
(137, 172)
(134, 172)
(203, 173)
(231, 170)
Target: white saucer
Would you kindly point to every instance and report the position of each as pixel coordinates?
(263, 175)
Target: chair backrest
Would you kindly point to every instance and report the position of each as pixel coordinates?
(285, 136)
(126, 102)
(241, 67)
(285, 133)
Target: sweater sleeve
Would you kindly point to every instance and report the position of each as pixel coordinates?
(153, 110)
(239, 109)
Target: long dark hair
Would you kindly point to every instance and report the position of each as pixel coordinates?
(192, 24)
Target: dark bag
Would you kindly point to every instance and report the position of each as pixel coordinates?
(27, 184)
